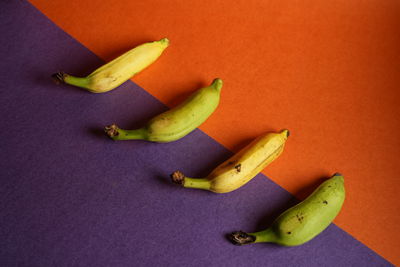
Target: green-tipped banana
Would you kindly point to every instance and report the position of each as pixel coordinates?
(118, 70)
(177, 122)
(304, 221)
(240, 168)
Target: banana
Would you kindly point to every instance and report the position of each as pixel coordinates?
(240, 168)
(118, 70)
(304, 221)
(177, 122)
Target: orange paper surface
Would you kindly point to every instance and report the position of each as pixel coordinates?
(327, 70)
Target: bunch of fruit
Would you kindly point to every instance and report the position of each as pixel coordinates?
(295, 226)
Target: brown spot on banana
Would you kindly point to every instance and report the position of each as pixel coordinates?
(238, 167)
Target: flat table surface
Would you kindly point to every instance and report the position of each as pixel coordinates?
(327, 71)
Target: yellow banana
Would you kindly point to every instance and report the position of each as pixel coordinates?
(240, 168)
(119, 70)
(176, 122)
(304, 221)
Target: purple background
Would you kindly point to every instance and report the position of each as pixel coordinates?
(70, 196)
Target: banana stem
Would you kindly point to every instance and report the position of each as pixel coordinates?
(119, 134)
(198, 183)
(61, 77)
(264, 236)
(242, 238)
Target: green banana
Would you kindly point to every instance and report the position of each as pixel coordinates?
(177, 122)
(240, 168)
(304, 221)
(117, 71)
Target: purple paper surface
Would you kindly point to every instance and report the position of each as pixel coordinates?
(70, 196)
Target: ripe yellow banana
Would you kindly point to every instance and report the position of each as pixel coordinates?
(304, 221)
(240, 168)
(118, 70)
(177, 122)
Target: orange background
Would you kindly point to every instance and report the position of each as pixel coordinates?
(327, 70)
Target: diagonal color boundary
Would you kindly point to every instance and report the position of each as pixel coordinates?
(72, 197)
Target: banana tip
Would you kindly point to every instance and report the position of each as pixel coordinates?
(165, 41)
(338, 174)
(111, 130)
(178, 177)
(287, 132)
(217, 83)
